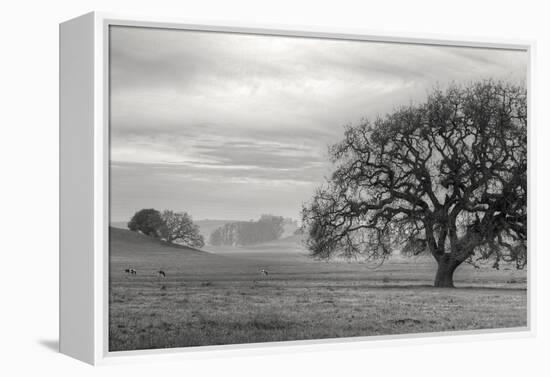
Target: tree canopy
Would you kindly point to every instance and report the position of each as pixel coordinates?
(242, 233)
(179, 227)
(448, 176)
(173, 227)
(147, 221)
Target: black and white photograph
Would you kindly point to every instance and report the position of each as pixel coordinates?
(274, 188)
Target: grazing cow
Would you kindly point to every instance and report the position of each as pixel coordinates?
(264, 272)
(133, 271)
(161, 274)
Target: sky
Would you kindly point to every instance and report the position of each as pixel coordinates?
(232, 126)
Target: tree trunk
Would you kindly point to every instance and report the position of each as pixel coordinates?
(445, 270)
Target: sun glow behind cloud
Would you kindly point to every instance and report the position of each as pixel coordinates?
(234, 125)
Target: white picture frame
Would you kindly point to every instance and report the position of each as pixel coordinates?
(84, 188)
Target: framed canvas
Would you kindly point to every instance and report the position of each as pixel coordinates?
(229, 188)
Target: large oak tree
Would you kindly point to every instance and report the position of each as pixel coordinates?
(448, 176)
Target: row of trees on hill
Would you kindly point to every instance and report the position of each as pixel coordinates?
(170, 226)
(242, 233)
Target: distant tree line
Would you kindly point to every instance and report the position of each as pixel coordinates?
(170, 226)
(242, 233)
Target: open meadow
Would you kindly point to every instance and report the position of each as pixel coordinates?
(218, 296)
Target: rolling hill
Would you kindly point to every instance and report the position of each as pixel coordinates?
(122, 242)
(119, 224)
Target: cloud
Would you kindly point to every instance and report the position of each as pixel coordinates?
(221, 193)
(254, 112)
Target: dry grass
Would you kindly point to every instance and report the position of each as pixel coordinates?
(211, 299)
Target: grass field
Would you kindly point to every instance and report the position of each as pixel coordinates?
(219, 296)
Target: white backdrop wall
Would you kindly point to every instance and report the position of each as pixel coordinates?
(29, 189)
